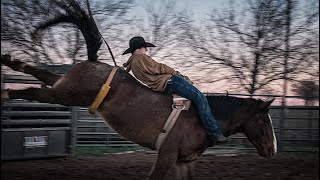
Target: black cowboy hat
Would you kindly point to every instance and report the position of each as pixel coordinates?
(136, 43)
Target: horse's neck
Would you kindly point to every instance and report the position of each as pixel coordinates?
(225, 109)
(229, 124)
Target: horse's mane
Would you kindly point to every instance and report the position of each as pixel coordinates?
(224, 106)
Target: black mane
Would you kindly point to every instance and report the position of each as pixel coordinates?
(223, 106)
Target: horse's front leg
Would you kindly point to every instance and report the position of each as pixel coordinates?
(185, 171)
(46, 95)
(164, 162)
(166, 159)
(43, 75)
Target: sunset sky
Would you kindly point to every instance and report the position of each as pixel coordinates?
(199, 9)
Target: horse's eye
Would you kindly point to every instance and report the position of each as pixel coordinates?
(264, 118)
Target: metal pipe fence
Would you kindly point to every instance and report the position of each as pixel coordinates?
(297, 129)
(298, 133)
(34, 130)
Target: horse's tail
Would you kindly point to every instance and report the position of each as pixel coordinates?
(86, 24)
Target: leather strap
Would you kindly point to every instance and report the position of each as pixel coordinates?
(168, 125)
(103, 92)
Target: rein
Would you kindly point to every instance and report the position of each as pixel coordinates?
(90, 14)
(103, 92)
(106, 86)
(114, 61)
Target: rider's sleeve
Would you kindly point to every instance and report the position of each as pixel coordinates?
(150, 66)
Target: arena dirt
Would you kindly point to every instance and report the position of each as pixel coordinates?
(135, 166)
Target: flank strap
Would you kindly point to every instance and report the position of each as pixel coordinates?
(102, 93)
(168, 126)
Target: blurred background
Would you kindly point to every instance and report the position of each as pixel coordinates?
(239, 46)
(247, 48)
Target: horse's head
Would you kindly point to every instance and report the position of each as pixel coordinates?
(259, 130)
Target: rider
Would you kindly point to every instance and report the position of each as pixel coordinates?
(162, 78)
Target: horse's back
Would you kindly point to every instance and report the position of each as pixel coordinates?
(87, 74)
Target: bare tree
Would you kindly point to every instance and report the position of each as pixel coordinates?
(304, 41)
(60, 44)
(161, 28)
(113, 22)
(246, 48)
(308, 90)
(17, 24)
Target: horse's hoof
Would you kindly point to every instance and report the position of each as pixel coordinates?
(222, 139)
(5, 59)
(14, 64)
(5, 95)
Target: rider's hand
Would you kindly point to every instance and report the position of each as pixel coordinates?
(188, 79)
(176, 73)
(185, 77)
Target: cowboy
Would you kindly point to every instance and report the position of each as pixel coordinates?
(162, 78)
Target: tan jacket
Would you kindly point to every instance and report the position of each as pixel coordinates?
(150, 72)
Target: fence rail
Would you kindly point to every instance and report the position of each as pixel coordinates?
(296, 130)
(93, 131)
(33, 130)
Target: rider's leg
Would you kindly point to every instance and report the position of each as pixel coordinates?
(179, 85)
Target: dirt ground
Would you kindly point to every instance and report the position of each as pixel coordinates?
(284, 166)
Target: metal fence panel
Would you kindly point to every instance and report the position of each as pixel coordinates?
(297, 129)
(301, 131)
(34, 130)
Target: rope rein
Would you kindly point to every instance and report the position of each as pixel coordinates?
(114, 61)
(90, 14)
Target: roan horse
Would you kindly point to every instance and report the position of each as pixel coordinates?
(138, 113)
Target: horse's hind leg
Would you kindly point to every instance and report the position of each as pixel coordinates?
(43, 75)
(46, 95)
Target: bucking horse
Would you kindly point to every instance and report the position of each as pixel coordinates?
(138, 113)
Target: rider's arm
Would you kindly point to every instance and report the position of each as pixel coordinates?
(150, 66)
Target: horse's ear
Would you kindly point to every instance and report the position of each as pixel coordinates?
(265, 105)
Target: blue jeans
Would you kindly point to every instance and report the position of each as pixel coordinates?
(178, 85)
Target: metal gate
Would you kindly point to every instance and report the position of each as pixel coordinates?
(35, 130)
